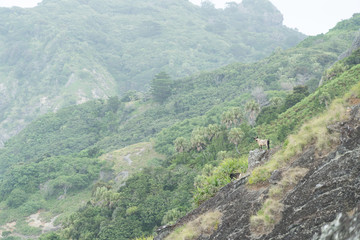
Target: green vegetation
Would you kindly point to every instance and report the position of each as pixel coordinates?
(271, 211)
(71, 130)
(313, 132)
(161, 87)
(58, 178)
(144, 238)
(142, 204)
(129, 160)
(95, 49)
(197, 134)
(204, 225)
(212, 179)
(315, 103)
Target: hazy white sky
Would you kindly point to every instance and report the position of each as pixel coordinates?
(308, 16)
(20, 3)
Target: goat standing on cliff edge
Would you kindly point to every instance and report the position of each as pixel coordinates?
(263, 142)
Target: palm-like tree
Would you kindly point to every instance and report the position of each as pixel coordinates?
(276, 101)
(226, 119)
(198, 142)
(212, 131)
(325, 98)
(235, 136)
(232, 117)
(237, 115)
(181, 144)
(253, 109)
(198, 139)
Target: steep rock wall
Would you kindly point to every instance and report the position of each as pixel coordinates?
(331, 187)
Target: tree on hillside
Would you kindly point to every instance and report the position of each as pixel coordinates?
(259, 94)
(299, 92)
(270, 113)
(276, 101)
(235, 136)
(198, 139)
(181, 144)
(213, 130)
(113, 103)
(161, 87)
(325, 98)
(232, 117)
(253, 109)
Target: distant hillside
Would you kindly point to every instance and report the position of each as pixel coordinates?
(67, 156)
(306, 188)
(209, 153)
(198, 100)
(67, 52)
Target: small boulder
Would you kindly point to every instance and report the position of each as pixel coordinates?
(255, 157)
(275, 176)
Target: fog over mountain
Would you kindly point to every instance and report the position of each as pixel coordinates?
(67, 52)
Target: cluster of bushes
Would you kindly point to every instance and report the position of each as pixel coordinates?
(203, 138)
(213, 178)
(54, 175)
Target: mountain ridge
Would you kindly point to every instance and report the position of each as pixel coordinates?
(203, 128)
(63, 53)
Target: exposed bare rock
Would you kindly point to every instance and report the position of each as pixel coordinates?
(275, 176)
(255, 157)
(316, 208)
(345, 226)
(355, 45)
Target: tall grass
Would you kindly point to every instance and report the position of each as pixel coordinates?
(271, 211)
(205, 224)
(144, 238)
(212, 179)
(313, 132)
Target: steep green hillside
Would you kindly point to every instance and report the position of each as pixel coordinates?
(195, 101)
(204, 127)
(216, 151)
(67, 52)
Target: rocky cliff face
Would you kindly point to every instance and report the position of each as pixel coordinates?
(322, 205)
(355, 45)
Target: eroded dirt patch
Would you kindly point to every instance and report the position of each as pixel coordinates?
(34, 220)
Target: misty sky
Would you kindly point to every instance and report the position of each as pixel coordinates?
(308, 16)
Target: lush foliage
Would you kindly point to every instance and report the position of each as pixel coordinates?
(212, 179)
(141, 206)
(315, 131)
(207, 121)
(70, 130)
(94, 49)
(315, 103)
(161, 87)
(54, 175)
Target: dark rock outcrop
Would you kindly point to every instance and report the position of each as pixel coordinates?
(345, 226)
(322, 198)
(256, 157)
(275, 177)
(355, 45)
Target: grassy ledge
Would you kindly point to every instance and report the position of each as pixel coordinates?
(205, 224)
(271, 211)
(313, 132)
